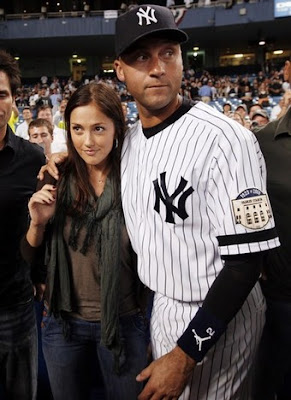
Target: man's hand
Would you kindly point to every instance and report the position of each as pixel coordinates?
(51, 166)
(167, 376)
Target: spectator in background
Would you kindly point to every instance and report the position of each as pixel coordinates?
(22, 129)
(55, 83)
(227, 108)
(205, 92)
(261, 77)
(32, 101)
(13, 117)
(44, 79)
(59, 135)
(21, 100)
(41, 132)
(254, 107)
(224, 88)
(56, 99)
(276, 110)
(255, 88)
(263, 95)
(59, 117)
(125, 113)
(214, 94)
(194, 89)
(237, 116)
(259, 119)
(242, 110)
(233, 90)
(246, 96)
(43, 99)
(275, 86)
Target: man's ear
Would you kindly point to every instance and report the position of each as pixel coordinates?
(119, 70)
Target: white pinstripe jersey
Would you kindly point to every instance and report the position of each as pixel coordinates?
(193, 188)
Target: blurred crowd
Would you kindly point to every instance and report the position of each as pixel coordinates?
(253, 100)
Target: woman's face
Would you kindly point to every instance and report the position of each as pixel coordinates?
(92, 134)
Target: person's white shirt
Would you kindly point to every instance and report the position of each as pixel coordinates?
(22, 130)
(275, 112)
(286, 86)
(59, 143)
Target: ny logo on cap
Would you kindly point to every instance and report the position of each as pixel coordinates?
(145, 14)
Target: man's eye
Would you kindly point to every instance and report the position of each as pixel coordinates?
(169, 53)
(141, 57)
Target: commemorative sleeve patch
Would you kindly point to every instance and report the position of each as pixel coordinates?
(251, 209)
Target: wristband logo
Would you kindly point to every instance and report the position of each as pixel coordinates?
(200, 340)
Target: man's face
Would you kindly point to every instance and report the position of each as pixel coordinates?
(26, 115)
(152, 72)
(63, 106)
(41, 136)
(260, 120)
(46, 114)
(6, 101)
(241, 111)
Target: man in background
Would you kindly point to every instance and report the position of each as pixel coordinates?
(273, 380)
(41, 132)
(60, 137)
(22, 129)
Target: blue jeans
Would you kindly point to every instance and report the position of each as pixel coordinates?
(43, 386)
(273, 365)
(18, 352)
(70, 362)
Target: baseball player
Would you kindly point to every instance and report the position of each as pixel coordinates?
(198, 216)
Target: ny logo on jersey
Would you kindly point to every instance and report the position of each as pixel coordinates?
(144, 14)
(200, 340)
(162, 194)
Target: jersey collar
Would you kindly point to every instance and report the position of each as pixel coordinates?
(183, 109)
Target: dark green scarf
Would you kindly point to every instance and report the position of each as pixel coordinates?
(102, 221)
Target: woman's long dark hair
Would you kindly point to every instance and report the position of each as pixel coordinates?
(109, 103)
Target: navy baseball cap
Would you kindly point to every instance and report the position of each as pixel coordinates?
(142, 21)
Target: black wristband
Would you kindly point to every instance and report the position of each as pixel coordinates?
(201, 334)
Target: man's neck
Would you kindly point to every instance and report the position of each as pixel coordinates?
(150, 118)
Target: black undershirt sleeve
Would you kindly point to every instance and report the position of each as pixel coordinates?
(223, 300)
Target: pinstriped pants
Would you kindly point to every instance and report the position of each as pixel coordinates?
(224, 373)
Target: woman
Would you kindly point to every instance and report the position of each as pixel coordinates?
(91, 286)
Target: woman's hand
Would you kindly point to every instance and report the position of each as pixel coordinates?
(42, 206)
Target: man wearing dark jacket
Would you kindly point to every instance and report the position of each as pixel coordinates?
(274, 362)
(19, 164)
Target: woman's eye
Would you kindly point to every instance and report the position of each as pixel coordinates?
(76, 129)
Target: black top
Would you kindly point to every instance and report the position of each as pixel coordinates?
(20, 162)
(275, 142)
